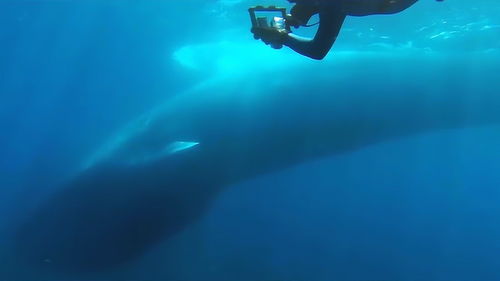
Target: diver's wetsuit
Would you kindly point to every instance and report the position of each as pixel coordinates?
(332, 15)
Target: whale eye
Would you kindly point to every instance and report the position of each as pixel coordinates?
(178, 146)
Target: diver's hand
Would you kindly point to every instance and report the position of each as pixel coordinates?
(271, 36)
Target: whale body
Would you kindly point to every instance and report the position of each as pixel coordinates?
(162, 172)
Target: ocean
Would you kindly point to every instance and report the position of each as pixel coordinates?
(157, 140)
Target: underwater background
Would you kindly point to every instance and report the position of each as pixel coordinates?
(421, 207)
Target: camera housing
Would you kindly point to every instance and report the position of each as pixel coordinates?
(269, 17)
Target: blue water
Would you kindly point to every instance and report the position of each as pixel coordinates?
(423, 207)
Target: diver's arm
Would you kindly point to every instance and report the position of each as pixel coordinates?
(330, 23)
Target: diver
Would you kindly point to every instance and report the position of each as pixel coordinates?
(332, 14)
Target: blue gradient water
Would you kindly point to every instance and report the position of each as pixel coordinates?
(419, 208)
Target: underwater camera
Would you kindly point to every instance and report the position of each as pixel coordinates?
(269, 17)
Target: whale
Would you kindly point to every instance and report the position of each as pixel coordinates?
(160, 173)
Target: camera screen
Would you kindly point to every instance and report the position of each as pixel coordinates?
(270, 17)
